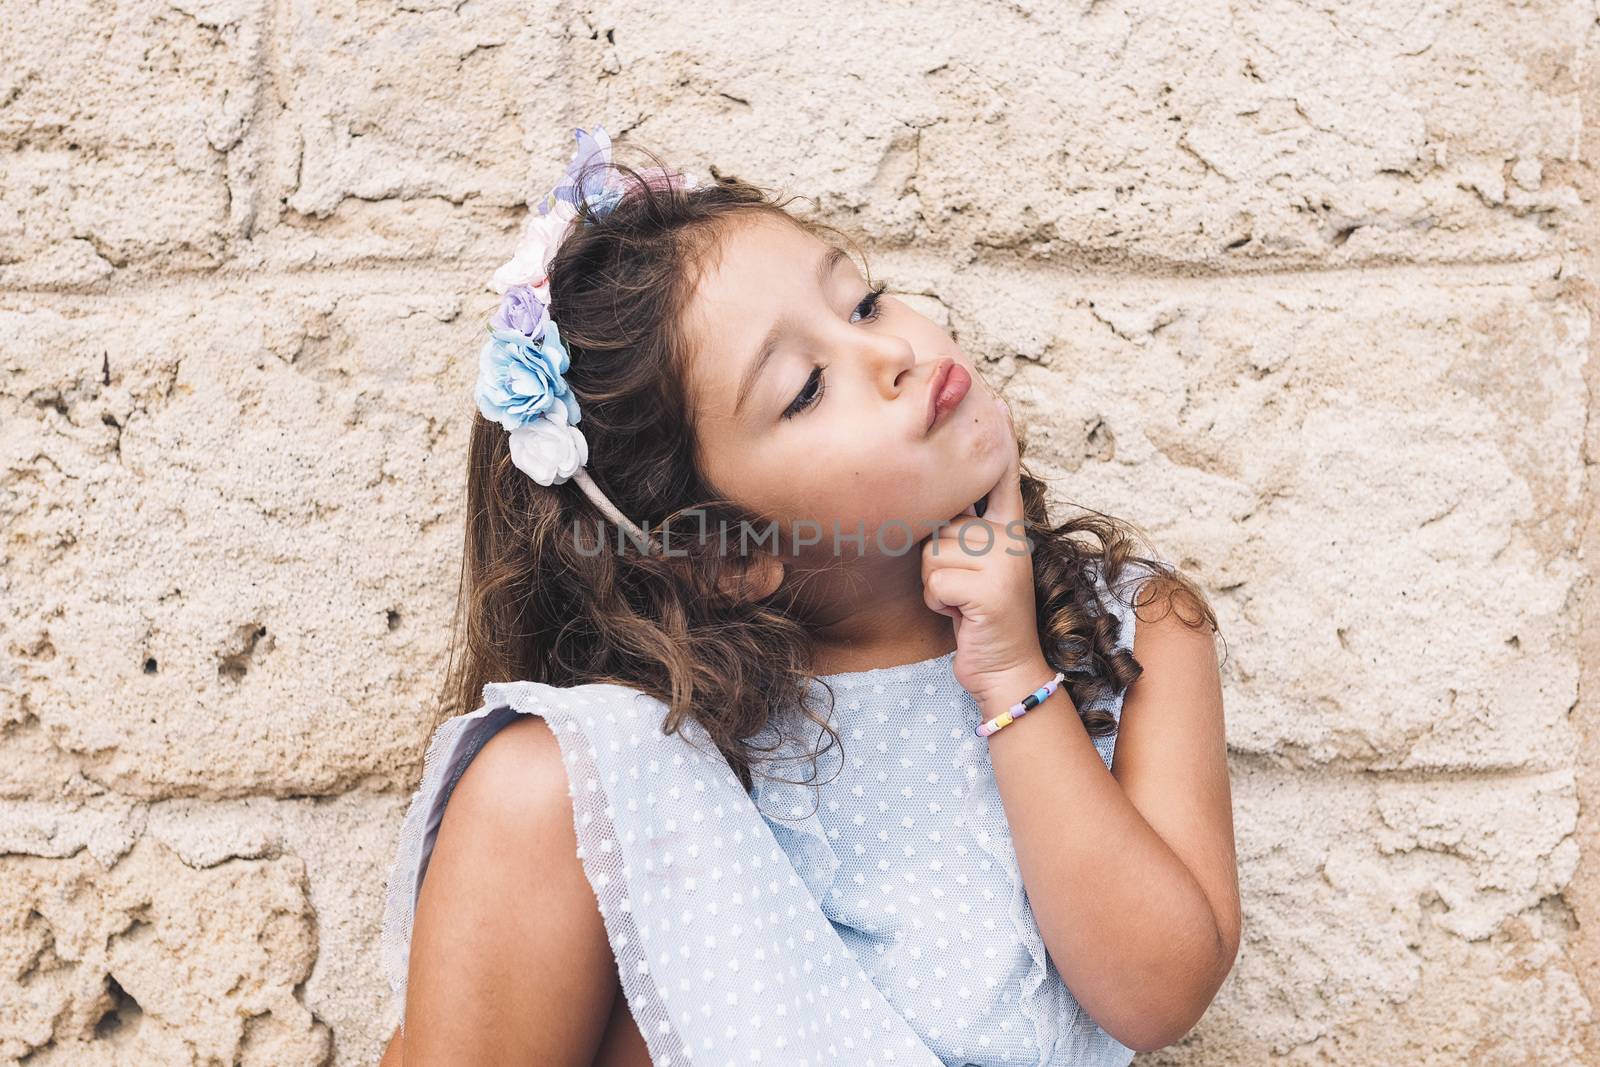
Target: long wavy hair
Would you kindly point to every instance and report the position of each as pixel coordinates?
(541, 601)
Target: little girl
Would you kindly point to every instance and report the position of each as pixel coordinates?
(802, 734)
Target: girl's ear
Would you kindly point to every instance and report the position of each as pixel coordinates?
(756, 581)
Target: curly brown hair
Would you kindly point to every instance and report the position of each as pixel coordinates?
(536, 603)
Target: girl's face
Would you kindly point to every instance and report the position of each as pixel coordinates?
(833, 425)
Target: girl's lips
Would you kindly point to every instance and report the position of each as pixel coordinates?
(950, 384)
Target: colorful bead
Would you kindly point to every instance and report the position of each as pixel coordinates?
(1022, 707)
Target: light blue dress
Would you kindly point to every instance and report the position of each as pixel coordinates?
(904, 841)
(875, 919)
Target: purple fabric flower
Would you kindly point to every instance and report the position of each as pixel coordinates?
(592, 148)
(520, 310)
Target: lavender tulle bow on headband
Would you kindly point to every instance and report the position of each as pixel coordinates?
(522, 366)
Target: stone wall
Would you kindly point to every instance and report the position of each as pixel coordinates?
(1303, 289)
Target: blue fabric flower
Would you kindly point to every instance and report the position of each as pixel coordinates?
(520, 378)
(601, 204)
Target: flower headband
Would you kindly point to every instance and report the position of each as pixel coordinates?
(521, 367)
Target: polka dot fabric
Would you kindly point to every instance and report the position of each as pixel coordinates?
(723, 954)
(752, 930)
(904, 841)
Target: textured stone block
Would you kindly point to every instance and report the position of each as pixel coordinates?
(1394, 919)
(1222, 136)
(152, 961)
(243, 547)
(123, 136)
(408, 131)
(406, 101)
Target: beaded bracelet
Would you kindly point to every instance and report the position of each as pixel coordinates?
(1021, 707)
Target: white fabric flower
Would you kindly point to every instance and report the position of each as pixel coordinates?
(530, 265)
(549, 450)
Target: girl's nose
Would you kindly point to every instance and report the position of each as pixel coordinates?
(892, 356)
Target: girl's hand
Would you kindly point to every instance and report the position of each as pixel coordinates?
(979, 571)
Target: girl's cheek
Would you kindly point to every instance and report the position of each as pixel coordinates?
(993, 434)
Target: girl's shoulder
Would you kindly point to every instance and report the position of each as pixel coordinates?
(591, 723)
(587, 713)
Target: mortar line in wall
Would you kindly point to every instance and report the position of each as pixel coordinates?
(1536, 266)
(1201, 271)
(1271, 763)
(1483, 272)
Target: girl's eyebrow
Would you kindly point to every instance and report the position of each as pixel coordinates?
(769, 344)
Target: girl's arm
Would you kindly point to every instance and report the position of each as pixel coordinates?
(623, 1046)
(509, 958)
(1131, 874)
(394, 1054)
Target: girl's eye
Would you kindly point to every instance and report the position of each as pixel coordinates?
(870, 303)
(808, 396)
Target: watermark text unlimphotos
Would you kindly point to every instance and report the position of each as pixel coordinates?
(893, 537)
